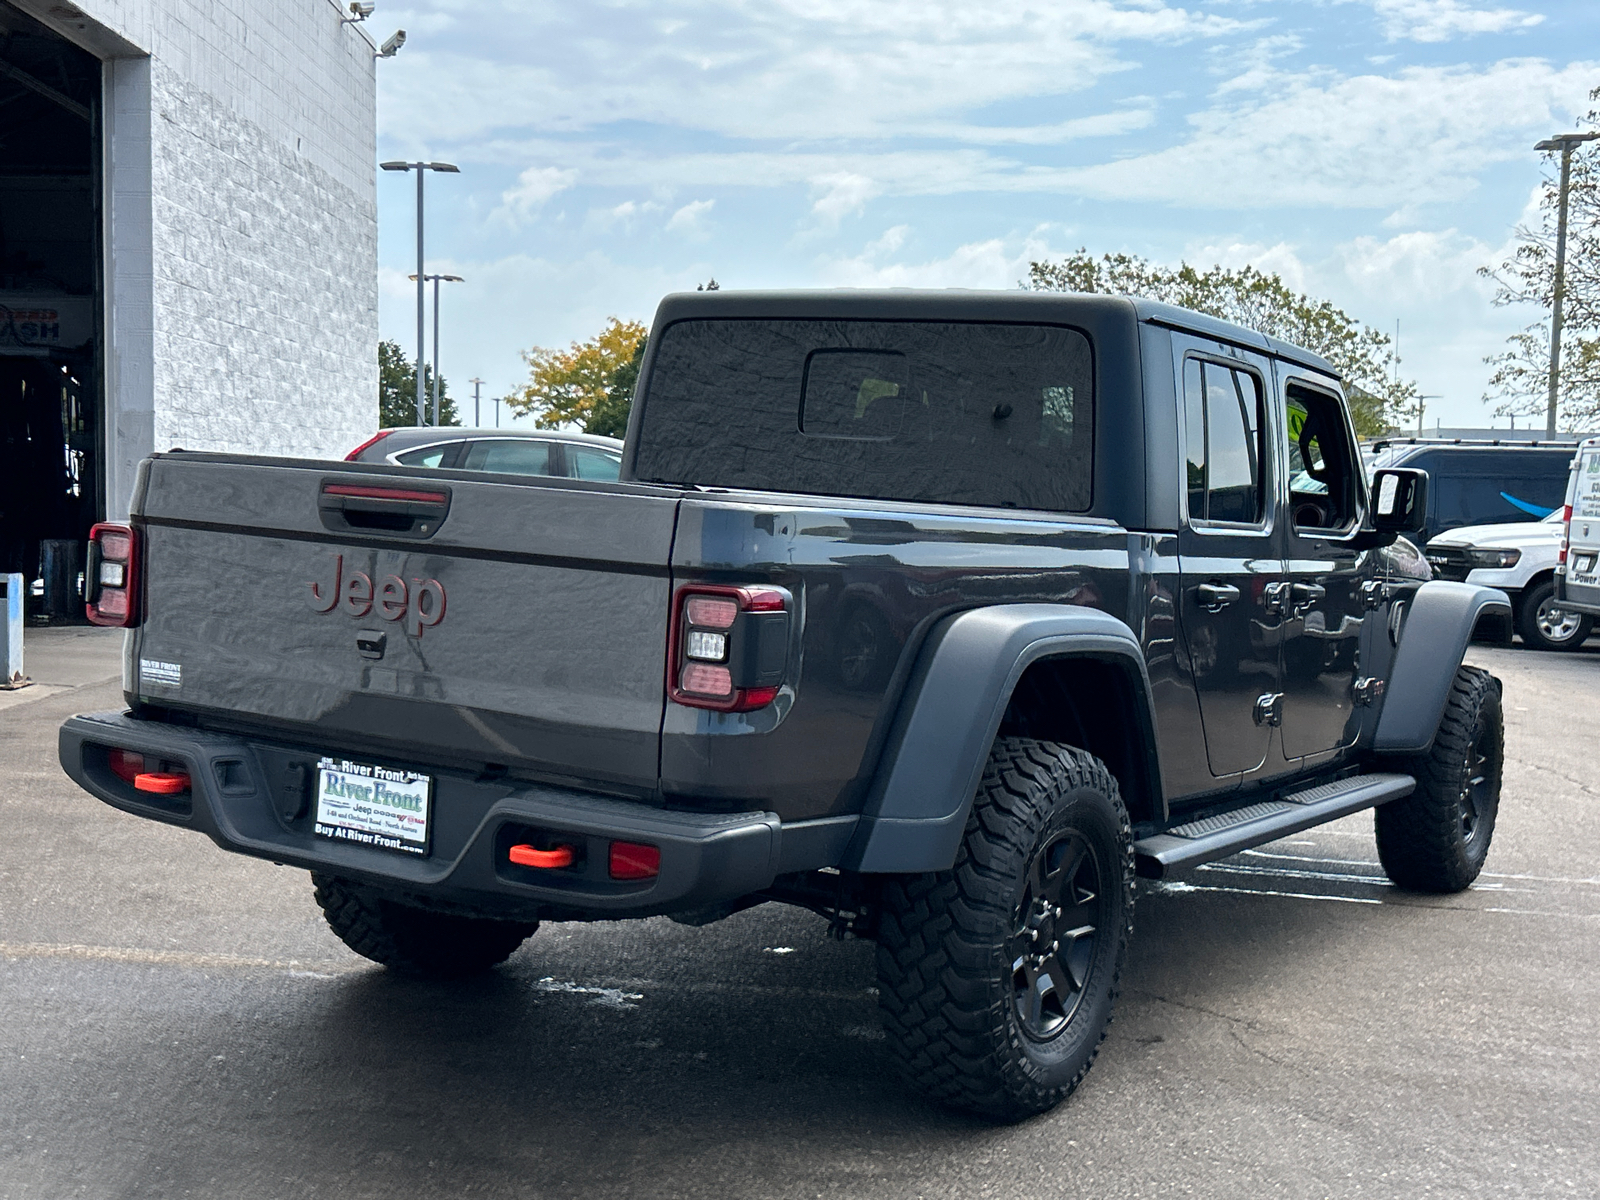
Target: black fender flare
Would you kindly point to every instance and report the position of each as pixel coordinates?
(916, 809)
(1433, 639)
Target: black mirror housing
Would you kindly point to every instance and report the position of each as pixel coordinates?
(1399, 499)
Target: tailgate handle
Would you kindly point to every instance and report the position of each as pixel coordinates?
(394, 509)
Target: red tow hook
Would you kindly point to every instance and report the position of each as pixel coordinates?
(527, 856)
(162, 783)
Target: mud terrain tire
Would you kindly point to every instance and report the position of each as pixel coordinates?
(998, 976)
(415, 941)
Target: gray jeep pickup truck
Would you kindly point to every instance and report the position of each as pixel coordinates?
(942, 615)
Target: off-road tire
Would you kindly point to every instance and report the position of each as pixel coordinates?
(1539, 597)
(947, 978)
(415, 941)
(1436, 839)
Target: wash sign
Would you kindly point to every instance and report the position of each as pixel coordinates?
(41, 321)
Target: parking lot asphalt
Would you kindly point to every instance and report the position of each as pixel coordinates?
(179, 1022)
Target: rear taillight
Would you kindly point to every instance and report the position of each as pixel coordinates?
(112, 580)
(1566, 535)
(728, 647)
(372, 441)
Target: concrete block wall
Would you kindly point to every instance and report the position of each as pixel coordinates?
(242, 306)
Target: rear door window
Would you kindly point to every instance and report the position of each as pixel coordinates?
(590, 462)
(509, 456)
(952, 412)
(1223, 411)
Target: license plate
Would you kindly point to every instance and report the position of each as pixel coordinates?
(374, 806)
(1583, 564)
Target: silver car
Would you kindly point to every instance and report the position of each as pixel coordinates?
(508, 451)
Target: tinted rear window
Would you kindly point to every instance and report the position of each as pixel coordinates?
(957, 413)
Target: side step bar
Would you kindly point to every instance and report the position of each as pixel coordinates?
(1211, 838)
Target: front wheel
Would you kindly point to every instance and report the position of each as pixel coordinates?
(415, 941)
(997, 977)
(1437, 838)
(1545, 625)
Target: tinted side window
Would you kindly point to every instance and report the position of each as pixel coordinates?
(587, 462)
(426, 456)
(1223, 423)
(509, 456)
(939, 411)
(1194, 420)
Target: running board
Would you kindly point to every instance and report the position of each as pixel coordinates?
(1211, 838)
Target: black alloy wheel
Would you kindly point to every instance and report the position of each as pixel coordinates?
(1053, 942)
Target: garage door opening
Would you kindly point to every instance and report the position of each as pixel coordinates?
(51, 273)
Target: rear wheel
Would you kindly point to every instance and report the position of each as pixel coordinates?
(415, 941)
(1544, 625)
(1436, 839)
(997, 977)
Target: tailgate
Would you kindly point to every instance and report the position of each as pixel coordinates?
(520, 622)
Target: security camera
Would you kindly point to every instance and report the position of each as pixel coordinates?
(361, 11)
(392, 47)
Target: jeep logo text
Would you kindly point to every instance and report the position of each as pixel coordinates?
(420, 606)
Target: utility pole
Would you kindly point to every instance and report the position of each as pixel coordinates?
(420, 168)
(477, 386)
(437, 280)
(1564, 142)
(497, 412)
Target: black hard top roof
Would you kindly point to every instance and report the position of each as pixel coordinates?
(963, 304)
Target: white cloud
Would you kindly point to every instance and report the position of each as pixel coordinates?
(787, 69)
(842, 193)
(1441, 20)
(990, 263)
(533, 187)
(690, 218)
(1423, 134)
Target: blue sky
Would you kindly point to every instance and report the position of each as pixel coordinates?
(1373, 152)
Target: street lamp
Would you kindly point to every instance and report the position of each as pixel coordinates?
(1564, 142)
(420, 168)
(437, 280)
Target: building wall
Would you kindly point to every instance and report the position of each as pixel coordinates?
(242, 305)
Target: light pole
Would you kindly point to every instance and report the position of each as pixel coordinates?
(437, 280)
(1563, 142)
(477, 385)
(420, 168)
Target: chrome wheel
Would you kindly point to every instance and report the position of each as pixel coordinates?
(1554, 623)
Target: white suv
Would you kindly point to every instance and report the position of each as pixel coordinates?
(1520, 559)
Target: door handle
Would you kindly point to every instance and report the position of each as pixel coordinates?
(1305, 596)
(1214, 597)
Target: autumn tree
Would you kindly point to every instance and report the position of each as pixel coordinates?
(1520, 385)
(397, 390)
(1363, 356)
(589, 384)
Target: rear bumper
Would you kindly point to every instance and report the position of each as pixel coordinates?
(1577, 597)
(253, 797)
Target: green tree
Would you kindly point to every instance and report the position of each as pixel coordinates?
(1520, 385)
(1363, 356)
(589, 384)
(397, 390)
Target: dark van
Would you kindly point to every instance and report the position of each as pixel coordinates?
(1482, 483)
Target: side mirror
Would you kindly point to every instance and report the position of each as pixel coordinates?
(1399, 500)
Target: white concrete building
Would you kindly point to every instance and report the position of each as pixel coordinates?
(188, 244)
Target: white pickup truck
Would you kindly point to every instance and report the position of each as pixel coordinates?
(1579, 579)
(1520, 559)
